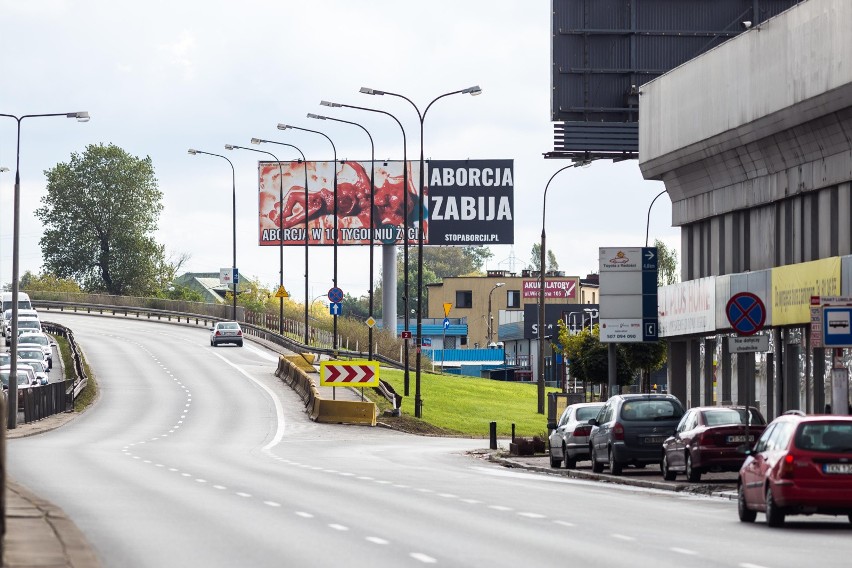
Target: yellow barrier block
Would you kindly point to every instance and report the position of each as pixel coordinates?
(304, 361)
(343, 412)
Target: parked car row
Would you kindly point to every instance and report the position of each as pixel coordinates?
(795, 465)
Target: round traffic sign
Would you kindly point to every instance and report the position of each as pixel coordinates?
(335, 295)
(746, 313)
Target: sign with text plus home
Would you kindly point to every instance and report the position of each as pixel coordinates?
(628, 294)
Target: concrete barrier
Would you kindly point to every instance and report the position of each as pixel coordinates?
(296, 371)
(344, 412)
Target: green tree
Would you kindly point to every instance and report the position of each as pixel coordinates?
(535, 259)
(645, 358)
(46, 282)
(667, 263)
(589, 357)
(99, 214)
(175, 292)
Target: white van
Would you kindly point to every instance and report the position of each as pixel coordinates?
(23, 301)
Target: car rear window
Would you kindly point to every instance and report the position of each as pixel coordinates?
(722, 417)
(38, 339)
(229, 326)
(585, 413)
(825, 436)
(651, 410)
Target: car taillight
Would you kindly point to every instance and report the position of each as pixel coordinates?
(239, 332)
(218, 332)
(618, 431)
(583, 430)
(705, 439)
(785, 470)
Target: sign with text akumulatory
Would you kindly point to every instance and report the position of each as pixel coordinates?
(471, 202)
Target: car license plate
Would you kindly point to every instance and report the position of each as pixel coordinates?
(837, 468)
(739, 439)
(654, 439)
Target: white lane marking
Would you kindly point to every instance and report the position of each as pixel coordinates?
(365, 478)
(471, 501)
(565, 523)
(337, 527)
(346, 474)
(531, 515)
(173, 469)
(220, 487)
(499, 507)
(272, 503)
(683, 551)
(261, 354)
(159, 465)
(186, 474)
(304, 515)
(376, 540)
(423, 490)
(398, 485)
(425, 559)
(383, 482)
(201, 480)
(750, 565)
(622, 536)
(448, 495)
(279, 410)
(241, 494)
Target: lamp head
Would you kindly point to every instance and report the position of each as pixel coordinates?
(499, 284)
(329, 104)
(316, 116)
(283, 126)
(473, 91)
(82, 116)
(3, 169)
(746, 25)
(256, 140)
(192, 152)
(369, 91)
(229, 146)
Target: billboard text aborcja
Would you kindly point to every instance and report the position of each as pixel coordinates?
(468, 202)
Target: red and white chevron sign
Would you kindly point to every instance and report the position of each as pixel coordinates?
(349, 373)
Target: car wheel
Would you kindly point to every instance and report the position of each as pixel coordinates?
(597, 466)
(553, 461)
(668, 474)
(774, 515)
(614, 467)
(746, 514)
(570, 463)
(692, 474)
(239, 344)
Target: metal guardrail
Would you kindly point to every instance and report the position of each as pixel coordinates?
(385, 389)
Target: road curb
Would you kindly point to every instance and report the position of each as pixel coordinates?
(693, 488)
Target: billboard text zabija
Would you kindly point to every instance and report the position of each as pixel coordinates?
(467, 202)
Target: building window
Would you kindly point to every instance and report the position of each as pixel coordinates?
(463, 340)
(513, 299)
(464, 299)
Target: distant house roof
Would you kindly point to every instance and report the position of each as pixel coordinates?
(205, 283)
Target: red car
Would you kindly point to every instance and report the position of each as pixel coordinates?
(802, 465)
(710, 438)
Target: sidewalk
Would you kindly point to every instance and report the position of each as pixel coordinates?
(39, 534)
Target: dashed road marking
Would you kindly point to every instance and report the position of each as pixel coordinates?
(424, 558)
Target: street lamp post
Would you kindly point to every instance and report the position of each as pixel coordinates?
(372, 223)
(541, 270)
(280, 228)
(12, 397)
(334, 150)
(475, 90)
(307, 236)
(385, 312)
(490, 318)
(193, 152)
(648, 223)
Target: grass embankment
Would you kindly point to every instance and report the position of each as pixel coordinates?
(90, 392)
(454, 404)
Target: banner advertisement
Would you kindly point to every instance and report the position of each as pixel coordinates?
(553, 288)
(687, 307)
(353, 202)
(793, 286)
(471, 202)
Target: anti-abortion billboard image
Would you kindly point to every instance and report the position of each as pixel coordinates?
(353, 202)
(471, 202)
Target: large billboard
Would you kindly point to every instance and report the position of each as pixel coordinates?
(471, 202)
(353, 202)
(604, 50)
(468, 202)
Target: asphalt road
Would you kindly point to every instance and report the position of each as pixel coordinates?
(196, 456)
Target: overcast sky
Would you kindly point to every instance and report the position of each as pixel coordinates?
(161, 77)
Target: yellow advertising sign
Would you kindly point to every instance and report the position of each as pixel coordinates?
(447, 307)
(793, 286)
